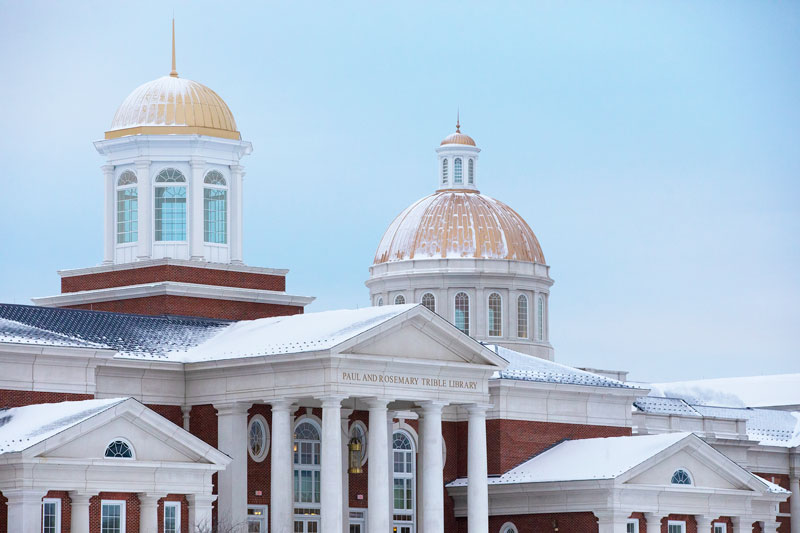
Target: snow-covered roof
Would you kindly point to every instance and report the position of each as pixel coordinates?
(752, 391)
(19, 333)
(524, 367)
(23, 427)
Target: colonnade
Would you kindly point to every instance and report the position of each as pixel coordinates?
(232, 440)
(616, 522)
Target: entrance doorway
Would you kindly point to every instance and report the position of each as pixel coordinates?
(256, 519)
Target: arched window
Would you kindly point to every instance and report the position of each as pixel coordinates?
(508, 527)
(522, 316)
(681, 477)
(540, 319)
(457, 171)
(258, 438)
(429, 301)
(306, 467)
(444, 170)
(127, 208)
(404, 485)
(215, 208)
(399, 299)
(170, 203)
(462, 312)
(119, 449)
(380, 301)
(471, 172)
(495, 315)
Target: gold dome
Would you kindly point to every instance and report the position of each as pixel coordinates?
(459, 224)
(173, 105)
(458, 137)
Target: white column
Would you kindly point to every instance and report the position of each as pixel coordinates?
(281, 468)
(654, 521)
(25, 510)
(148, 512)
(196, 252)
(614, 522)
(236, 208)
(232, 482)
(111, 224)
(200, 507)
(378, 516)
(186, 411)
(390, 460)
(770, 526)
(79, 511)
(703, 523)
(144, 191)
(432, 468)
(477, 471)
(331, 468)
(420, 462)
(345, 413)
(794, 503)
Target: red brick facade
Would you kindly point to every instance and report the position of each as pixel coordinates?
(131, 510)
(19, 398)
(783, 481)
(178, 273)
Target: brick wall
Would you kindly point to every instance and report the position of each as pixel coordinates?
(131, 510)
(203, 425)
(540, 523)
(781, 480)
(513, 442)
(178, 273)
(258, 473)
(19, 398)
(188, 306)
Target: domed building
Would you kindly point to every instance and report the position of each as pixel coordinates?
(468, 257)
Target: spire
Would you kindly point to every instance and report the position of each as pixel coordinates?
(458, 112)
(174, 72)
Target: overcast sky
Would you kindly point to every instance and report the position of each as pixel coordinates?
(654, 148)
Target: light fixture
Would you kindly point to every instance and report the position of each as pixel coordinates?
(354, 447)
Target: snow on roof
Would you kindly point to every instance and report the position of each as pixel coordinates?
(753, 391)
(18, 333)
(586, 459)
(772, 487)
(23, 427)
(290, 334)
(665, 406)
(526, 367)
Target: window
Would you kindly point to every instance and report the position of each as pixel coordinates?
(540, 319)
(508, 527)
(170, 201)
(404, 484)
(380, 302)
(119, 449)
(256, 519)
(676, 527)
(51, 515)
(306, 467)
(471, 172)
(495, 315)
(522, 316)
(632, 526)
(429, 301)
(172, 517)
(721, 528)
(457, 171)
(462, 312)
(444, 170)
(127, 208)
(681, 477)
(399, 299)
(258, 438)
(112, 516)
(215, 209)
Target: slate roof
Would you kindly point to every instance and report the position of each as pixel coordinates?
(137, 335)
(524, 367)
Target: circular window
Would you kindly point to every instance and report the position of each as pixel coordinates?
(358, 431)
(681, 477)
(257, 438)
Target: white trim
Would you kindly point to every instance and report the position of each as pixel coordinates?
(723, 525)
(122, 512)
(688, 473)
(263, 455)
(509, 527)
(177, 506)
(634, 522)
(680, 523)
(124, 441)
(174, 262)
(264, 516)
(173, 288)
(57, 502)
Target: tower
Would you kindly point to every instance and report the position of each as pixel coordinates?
(468, 257)
(173, 184)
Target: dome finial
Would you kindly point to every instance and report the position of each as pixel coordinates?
(174, 72)
(458, 120)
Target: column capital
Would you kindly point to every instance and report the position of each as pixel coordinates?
(654, 518)
(704, 521)
(232, 408)
(79, 497)
(332, 400)
(24, 495)
(238, 169)
(283, 404)
(201, 499)
(478, 408)
(150, 497)
(142, 163)
(107, 169)
(377, 403)
(196, 162)
(432, 406)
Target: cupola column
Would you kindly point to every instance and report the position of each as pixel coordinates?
(108, 237)
(196, 213)
(144, 191)
(237, 178)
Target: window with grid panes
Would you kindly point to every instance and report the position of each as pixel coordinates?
(170, 206)
(127, 208)
(495, 315)
(306, 464)
(404, 483)
(522, 316)
(457, 176)
(215, 208)
(51, 516)
(172, 517)
(676, 527)
(462, 312)
(112, 517)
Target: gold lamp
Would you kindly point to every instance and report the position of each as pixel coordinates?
(354, 447)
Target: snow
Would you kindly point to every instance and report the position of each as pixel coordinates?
(22, 427)
(289, 334)
(753, 391)
(525, 367)
(19, 333)
(587, 459)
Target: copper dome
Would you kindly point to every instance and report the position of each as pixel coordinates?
(458, 138)
(459, 224)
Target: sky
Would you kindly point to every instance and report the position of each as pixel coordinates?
(653, 147)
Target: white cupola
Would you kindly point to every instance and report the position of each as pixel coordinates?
(458, 161)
